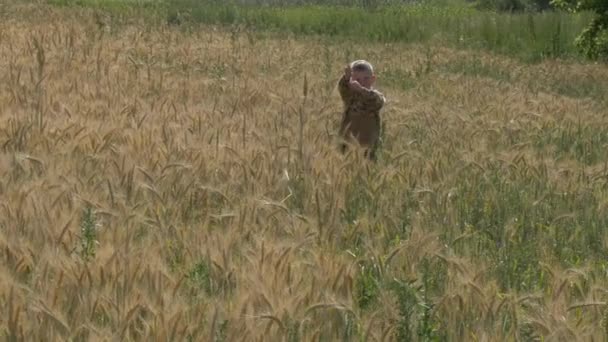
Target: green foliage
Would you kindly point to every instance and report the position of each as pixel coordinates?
(174, 254)
(580, 5)
(593, 41)
(514, 5)
(531, 36)
(88, 229)
(200, 278)
(367, 284)
(415, 311)
(206, 280)
(511, 217)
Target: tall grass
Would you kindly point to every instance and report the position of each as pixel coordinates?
(531, 36)
(166, 184)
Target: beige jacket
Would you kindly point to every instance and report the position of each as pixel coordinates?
(361, 116)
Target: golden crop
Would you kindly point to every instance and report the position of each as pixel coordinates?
(220, 208)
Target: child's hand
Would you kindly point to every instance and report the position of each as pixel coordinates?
(355, 86)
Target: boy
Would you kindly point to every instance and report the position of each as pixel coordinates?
(362, 104)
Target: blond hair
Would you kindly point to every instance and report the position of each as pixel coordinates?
(362, 65)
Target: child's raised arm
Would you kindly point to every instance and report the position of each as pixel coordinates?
(344, 84)
(374, 100)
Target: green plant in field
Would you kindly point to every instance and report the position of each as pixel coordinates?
(293, 330)
(200, 277)
(88, 229)
(367, 284)
(415, 313)
(206, 280)
(175, 254)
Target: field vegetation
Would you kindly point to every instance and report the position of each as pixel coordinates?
(530, 36)
(179, 180)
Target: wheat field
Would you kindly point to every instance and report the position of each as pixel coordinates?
(164, 183)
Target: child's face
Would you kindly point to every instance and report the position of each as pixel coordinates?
(365, 78)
